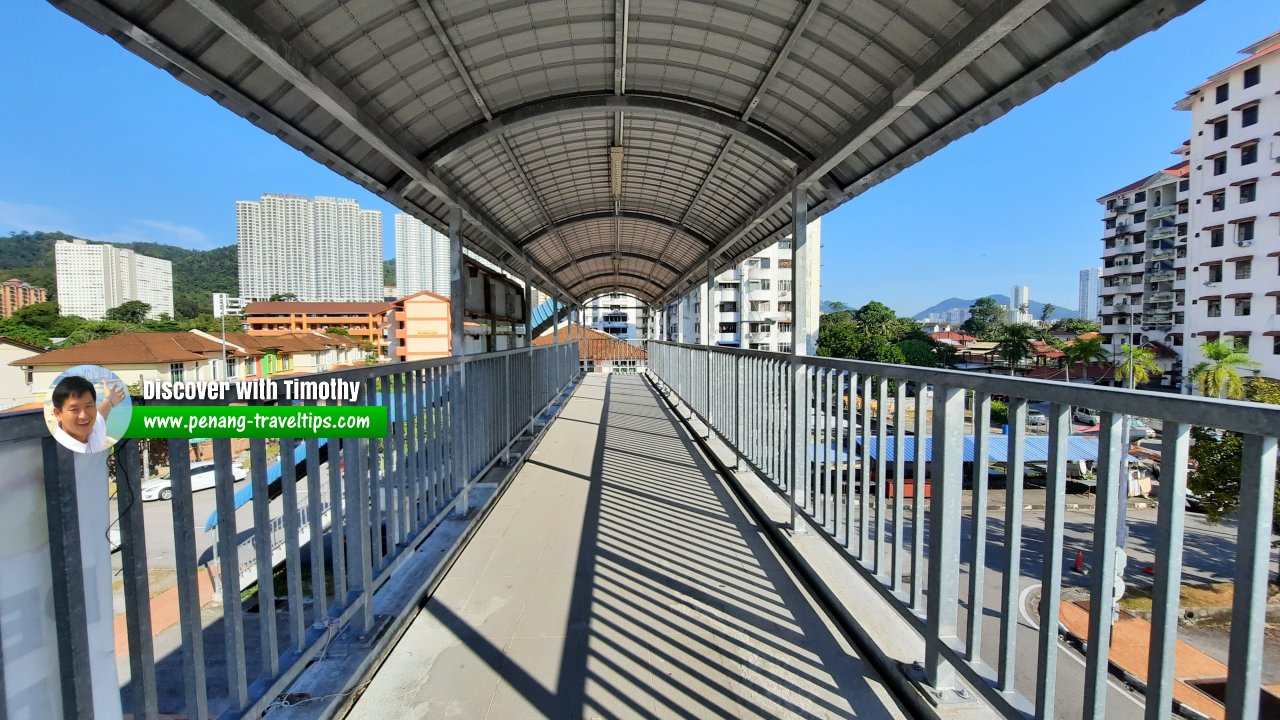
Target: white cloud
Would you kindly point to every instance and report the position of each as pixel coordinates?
(30, 217)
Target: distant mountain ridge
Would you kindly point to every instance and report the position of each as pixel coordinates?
(1035, 308)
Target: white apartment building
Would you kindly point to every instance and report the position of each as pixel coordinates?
(422, 257)
(623, 316)
(752, 302)
(1144, 262)
(1020, 304)
(322, 250)
(1090, 288)
(93, 278)
(1234, 252)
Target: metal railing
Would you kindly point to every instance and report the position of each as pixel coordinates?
(369, 504)
(784, 416)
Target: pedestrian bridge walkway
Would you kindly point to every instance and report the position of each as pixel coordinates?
(617, 577)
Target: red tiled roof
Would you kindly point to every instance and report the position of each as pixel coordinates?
(138, 348)
(958, 337)
(593, 344)
(20, 345)
(1092, 371)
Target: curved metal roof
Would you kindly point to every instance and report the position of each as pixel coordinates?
(504, 113)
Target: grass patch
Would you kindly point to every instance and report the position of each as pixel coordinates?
(1189, 596)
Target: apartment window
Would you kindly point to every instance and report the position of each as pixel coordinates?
(1140, 216)
(753, 262)
(764, 263)
(1215, 273)
(176, 372)
(784, 286)
(231, 367)
(1214, 308)
(784, 327)
(1182, 230)
(1275, 346)
(784, 347)
(1253, 76)
(784, 307)
(1111, 204)
(1249, 116)
(759, 306)
(1248, 192)
(784, 244)
(1220, 129)
(1216, 236)
(1183, 186)
(728, 327)
(728, 307)
(1221, 93)
(1220, 164)
(1242, 343)
(784, 263)
(764, 285)
(1244, 269)
(1109, 223)
(1219, 201)
(1140, 197)
(1243, 307)
(1249, 154)
(1244, 232)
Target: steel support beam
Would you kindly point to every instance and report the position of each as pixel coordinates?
(991, 26)
(623, 215)
(238, 20)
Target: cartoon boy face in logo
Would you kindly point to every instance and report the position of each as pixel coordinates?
(82, 420)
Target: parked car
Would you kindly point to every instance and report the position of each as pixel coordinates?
(1139, 430)
(202, 478)
(1085, 415)
(1036, 418)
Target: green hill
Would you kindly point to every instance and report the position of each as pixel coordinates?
(197, 274)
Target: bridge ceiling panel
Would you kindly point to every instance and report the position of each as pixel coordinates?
(507, 110)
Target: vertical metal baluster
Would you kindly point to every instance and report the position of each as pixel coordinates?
(391, 457)
(1253, 560)
(831, 446)
(1051, 574)
(859, 453)
(409, 435)
(944, 534)
(185, 564)
(292, 548)
(315, 518)
(899, 481)
(1010, 582)
(229, 562)
(920, 483)
(821, 446)
(72, 637)
(267, 633)
(442, 466)
(133, 566)
(372, 477)
(1112, 453)
(882, 392)
(1174, 448)
(337, 524)
(864, 517)
(357, 538)
(842, 475)
(978, 534)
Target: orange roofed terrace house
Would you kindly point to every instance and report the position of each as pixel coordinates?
(599, 352)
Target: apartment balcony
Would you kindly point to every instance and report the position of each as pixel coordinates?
(1161, 276)
(1157, 319)
(1162, 212)
(1162, 233)
(1160, 255)
(1159, 297)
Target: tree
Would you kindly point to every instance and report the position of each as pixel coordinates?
(1082, 351)
(1218, 375)
(133, 312)
(920, 353)
(283, 297)
(1014, 343)
(876, 319)
(1046, 312)
(1074, 326)
(985, 316)
(1138, 363)
(1216, 460)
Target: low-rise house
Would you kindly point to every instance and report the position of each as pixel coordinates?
(15, 388)
(599, 352)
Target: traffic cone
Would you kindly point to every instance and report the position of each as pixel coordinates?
(1079, 566)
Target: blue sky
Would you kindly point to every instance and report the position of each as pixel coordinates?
(98, 143)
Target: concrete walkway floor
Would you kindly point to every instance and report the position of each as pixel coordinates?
(617, 577)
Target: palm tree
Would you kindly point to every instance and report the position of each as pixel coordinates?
(1083, 351)
(1046, 312)
(1137, 365)
(1218, 375)
(1014, 342)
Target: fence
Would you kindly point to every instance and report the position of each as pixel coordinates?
(370, 502)
(786, 417)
